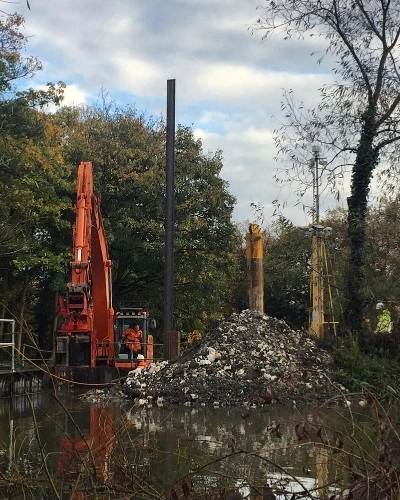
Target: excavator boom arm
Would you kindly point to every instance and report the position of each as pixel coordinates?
(88, 308)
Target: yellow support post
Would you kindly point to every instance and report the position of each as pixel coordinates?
(255, 272)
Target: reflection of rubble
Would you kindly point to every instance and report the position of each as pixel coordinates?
(207, 434)
(249, 359)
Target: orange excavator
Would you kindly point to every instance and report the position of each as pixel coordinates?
(91, 334)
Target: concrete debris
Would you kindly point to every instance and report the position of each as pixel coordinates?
(250, 359)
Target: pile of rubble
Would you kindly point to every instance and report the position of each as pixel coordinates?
(249, 359)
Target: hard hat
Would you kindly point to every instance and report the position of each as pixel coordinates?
(379, 305)
(140, 356)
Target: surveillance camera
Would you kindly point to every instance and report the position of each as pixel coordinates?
(308, 231)
(328, 231)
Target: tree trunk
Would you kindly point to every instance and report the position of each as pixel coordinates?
(365, 163)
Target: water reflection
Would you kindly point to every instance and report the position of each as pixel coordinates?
(151, 452)
(86, 447)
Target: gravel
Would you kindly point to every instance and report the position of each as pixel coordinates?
(249, 359)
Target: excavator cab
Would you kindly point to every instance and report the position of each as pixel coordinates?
(125, 316)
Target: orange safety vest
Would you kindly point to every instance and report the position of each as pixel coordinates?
(133, 339)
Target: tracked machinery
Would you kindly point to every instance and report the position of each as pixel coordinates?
(89, 345)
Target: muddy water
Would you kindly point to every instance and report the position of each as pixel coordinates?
(173, 449)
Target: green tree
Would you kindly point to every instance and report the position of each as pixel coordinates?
(32, 209)
(31, 198)
(358, 115)
(383, 258)
(128, 153)
(287, 272)
(206, 240)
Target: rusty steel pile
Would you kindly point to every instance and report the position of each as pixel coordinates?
(250, 359)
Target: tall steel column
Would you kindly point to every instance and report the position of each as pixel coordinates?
(169, 221)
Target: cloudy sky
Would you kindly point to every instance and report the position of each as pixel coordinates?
(229, 83)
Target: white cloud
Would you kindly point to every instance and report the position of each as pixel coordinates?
(229, 84)
(135, 75)
(75, 96)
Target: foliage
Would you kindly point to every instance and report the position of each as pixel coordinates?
(382, 255)
(206, 239)
(287, 273)
(381, 258)
(369, 368)
(33, 201)
(358, 115)
(128, 153)
(13, 65)
(32, 209)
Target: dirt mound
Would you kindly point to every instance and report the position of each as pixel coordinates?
(249, 359)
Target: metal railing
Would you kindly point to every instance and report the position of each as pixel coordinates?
(42, 355)
(10, 344)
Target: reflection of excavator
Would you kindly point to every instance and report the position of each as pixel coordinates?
(91, 333)
(86, 450)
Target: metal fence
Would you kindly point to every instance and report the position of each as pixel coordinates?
(10, 345)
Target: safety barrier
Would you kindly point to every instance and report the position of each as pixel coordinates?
(10, 344)
(19, 380)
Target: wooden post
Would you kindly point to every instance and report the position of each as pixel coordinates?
(322, 470)
(255, 273)
(317, 287)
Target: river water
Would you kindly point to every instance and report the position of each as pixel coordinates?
(65, 448)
